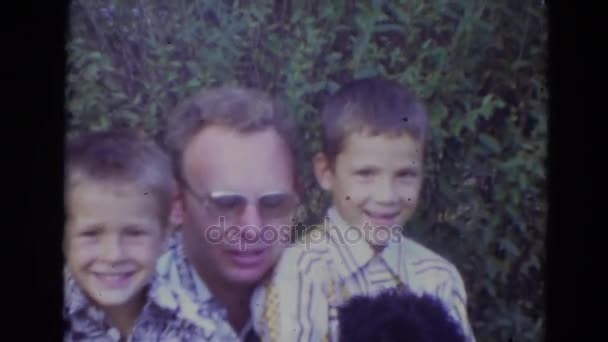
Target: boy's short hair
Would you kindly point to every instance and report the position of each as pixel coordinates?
(121, 156)
(244, 110)
(373, 105)
(396, 316)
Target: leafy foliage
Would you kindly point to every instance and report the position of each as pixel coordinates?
(479, 67)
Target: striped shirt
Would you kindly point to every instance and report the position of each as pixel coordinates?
(320, 273)
(166, 316)
(175, 269)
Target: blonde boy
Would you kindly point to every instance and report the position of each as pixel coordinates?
(118, 192)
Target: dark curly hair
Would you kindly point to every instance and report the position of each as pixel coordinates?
(394, 316)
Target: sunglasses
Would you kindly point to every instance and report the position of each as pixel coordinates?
(231, 205)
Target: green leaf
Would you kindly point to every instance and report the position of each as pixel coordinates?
(438, 114)
(487, 235)
(333, 57)
(95, 55)
(489, 142)
(508, 246)
(381, 28)
(193, 83)
(487, 101)
(511, 165)
(426, 44)
(519, 64)
(332, 86)
(366, 71)
(316, 87)
(489, 286)
(470, 121)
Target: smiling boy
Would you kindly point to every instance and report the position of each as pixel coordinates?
(119, 187)
(374, 138)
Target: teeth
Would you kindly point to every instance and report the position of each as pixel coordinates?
(382, 216)
(113, 276)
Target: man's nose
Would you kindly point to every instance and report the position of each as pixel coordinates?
(251, 217)
(251, 224)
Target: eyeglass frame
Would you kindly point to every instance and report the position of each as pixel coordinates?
(206, 199)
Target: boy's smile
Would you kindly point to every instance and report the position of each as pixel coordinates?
(375, 180)
(381, 218)
(112, 280)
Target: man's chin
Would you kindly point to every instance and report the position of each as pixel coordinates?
(247, 276)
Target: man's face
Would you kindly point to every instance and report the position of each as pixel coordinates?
(234, 195)
(113, 238)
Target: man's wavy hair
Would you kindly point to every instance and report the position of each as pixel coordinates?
(244, 110)
(396, 317)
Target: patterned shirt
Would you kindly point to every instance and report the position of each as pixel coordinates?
(167, 316)
(175, 269)
(316, 276)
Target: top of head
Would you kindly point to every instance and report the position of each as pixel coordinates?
(374, 106)
(244, 110)
(120, 157)
(395, 316)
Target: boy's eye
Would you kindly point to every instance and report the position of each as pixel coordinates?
(135, 232)
(89, 233)
(365, 172)
(407, 174)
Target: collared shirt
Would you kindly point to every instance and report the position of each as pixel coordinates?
(319, 274)
(175, 269)
(167, 316)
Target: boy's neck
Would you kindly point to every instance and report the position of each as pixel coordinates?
(123, 317)
(376, 248)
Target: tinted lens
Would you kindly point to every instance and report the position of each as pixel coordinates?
(277, 205)
(227, 205)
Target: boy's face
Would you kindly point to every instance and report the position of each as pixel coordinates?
(375, 181)
(113, 239)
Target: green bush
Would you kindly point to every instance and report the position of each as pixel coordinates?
(478, 65)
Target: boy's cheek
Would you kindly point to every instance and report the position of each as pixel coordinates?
(145, 254)
(355, 193)
(79, 253)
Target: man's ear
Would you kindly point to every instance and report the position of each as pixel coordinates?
(176, 216)
(323, 171)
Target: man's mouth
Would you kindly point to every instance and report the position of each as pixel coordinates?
(247, 258)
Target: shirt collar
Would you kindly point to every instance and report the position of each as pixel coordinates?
(357, 254)
(75, 299)
(188, 274)
(179, 301)
(160, 293)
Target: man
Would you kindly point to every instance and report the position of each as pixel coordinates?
(234, 158)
